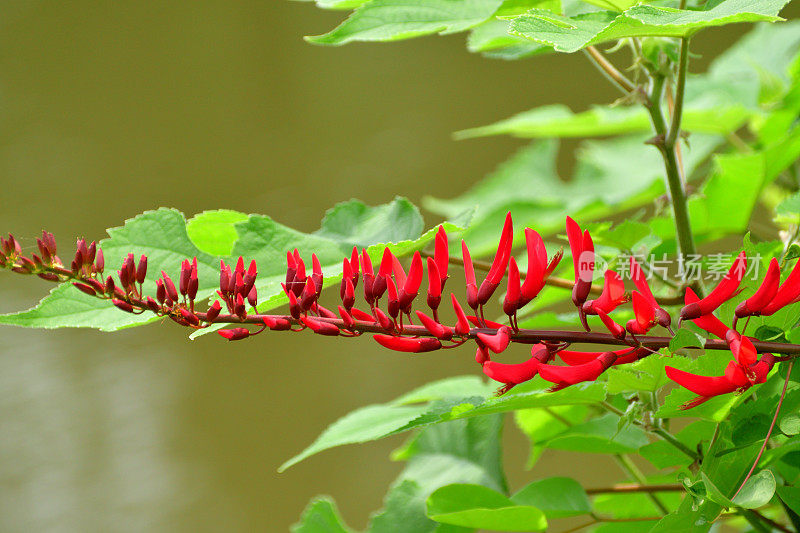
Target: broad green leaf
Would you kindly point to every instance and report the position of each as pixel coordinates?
(544, 423)
(459, 451)
(321, 516)
(790, 424)
(757, 491)
(454, 387)
(339, 4)
(361, 225)
(381, 420)
(392, 20)
(644, 375)
(557, 497)
(214, 232)
(685, 338)
(480, 507)
(791, 497)
(570, 34)
(685, 520)
(639, 526)
(560, 121)
(600, 435)
(633, 505)
(609, 176)
(493, 40)
(714, 493)
(362, 425)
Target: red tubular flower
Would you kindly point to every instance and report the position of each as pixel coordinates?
(582, 249)
(84, 288)
(434, 285)
(742, 348)
(613, 295)
(514, 374)
(349, 295)
(615, 329)
(235, 334)
(384, 271)
(309, 295)
(724, 291)
(354, 266)
(183, 280)
(764, 295)
(662, 317)
(294, 306)
(709, 322)
(436, 329)
(469, 274)
(500, 263)
(123, 305)
(172, 293)
(512, 297)
(347, 318)
(316, 275)
(538, 267)
(441, 255)
(411, 284)
(644, 313)
(383, 320)
(623, 356)
(405, 344)
(564, 376)
(462, 326)
(788, 292)
(497, 342)
(481, 354)
(319, 327)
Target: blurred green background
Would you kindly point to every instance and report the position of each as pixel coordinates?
(109, 109)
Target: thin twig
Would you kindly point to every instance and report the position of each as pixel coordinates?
(634, 487)
(628, 466)
(609, 70)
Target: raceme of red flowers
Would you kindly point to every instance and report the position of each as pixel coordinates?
(390, 292)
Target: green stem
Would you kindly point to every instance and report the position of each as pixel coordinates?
(677, 194)
(669, 437)
(611, 73)
(677, 112)
(628, 466)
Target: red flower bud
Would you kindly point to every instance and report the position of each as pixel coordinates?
(405, 344)
(709, 322)
(189, 317)
(81, 253)
(434, 284)
(346, 317)
(238, 307)
(91, 253)
(615, 329)
(319, 327)
(100, 262)
(469, 274)
(277, 324)
(309, 295)
(172, 293)
(317, 274)
(383, 320)
(412, 283)
(349, 295)
(358, 314)
(141, 270)
(84, 288)
(152, 305)
(161, 292)
(125, 306)
(213, 311)
(294, 307)
(235, 334)
(392, 303)
(482, 354)
(441, 255)
(252, 296)
(354, 266)
(45, 275)
(436, 329)
(511, 300)
(462, 327)
(347, 274)
(624, 356)
(96, 285)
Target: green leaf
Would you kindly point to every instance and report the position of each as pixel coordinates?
(378, 421)
(557, 497)
(791, 497)
(493, 40)
(600, 435)
(560, 121)
(790, 424)
(340, 4)
(758, 491)
(542, 424)
(570, 34)
(644, 375)
(358, 224)
(214, 232)
(480, 507)
(321, 516)
(714, 493)
(685, 338)
(663, 454)
(392, 20)
(460, 451)
(609, 176)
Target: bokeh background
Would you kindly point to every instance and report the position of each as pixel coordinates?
(110, 109)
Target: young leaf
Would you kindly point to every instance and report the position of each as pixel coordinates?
(214, 232)
(392, 20)
(480, 507)
(557, 497)
(570, 34)
(321, 516)
(757, 491)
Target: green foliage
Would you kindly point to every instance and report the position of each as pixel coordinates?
(557, 497)
(570, 34)
(480, 507)
(321, 516)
